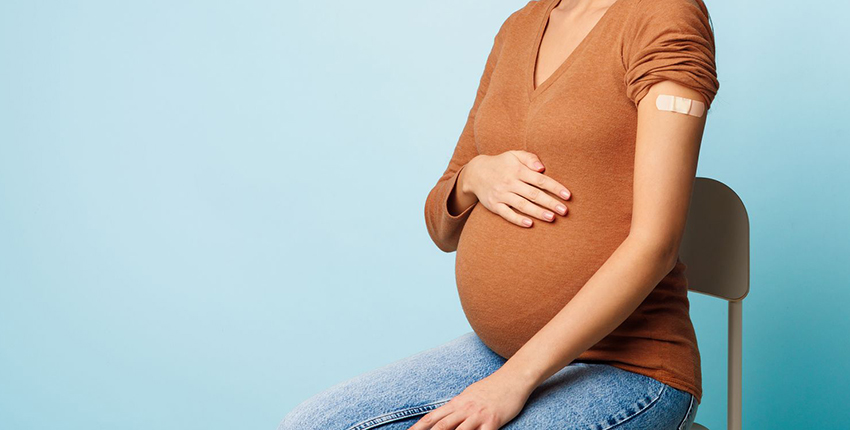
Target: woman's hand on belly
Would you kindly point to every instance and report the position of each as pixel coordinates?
(512, 179)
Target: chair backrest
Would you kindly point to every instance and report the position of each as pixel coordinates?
(716, 253)
(716, 245)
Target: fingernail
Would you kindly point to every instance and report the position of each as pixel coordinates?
(538, 165)
(549, 215)
(562, 209)
(565, 194)
(527, 222)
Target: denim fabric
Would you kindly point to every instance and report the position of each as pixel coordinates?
(587, 396)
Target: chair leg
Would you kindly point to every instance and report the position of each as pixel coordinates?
(734, 396)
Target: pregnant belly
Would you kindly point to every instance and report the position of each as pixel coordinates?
(512, 280)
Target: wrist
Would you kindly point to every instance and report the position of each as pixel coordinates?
(463, 180)
(523, 379)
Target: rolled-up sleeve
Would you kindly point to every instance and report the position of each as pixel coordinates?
(670, 40)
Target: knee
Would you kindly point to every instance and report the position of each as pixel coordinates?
(314, 413)
(292, 421)
(283, 425)
(286, 423)
(298, 418)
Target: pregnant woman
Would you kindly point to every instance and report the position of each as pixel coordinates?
(565, 199)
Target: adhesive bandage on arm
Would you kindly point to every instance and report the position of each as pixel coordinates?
(683, 105)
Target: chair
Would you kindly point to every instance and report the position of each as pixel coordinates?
(716, 251)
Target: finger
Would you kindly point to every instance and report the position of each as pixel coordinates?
(428, 420)
(537, 195)
(489, 426)
(545, 182)
(522, 204)
(451, 421)
(473, 422)
(530, 160)
(507, 213)
(541, 198)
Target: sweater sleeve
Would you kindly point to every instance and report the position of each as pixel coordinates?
(670, 40)
(443, 227)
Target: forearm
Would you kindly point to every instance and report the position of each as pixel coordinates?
(602, 304)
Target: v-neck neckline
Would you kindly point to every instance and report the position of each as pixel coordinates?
(535, 52)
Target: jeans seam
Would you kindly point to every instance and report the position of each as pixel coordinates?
(648, 405)
(397, 415)
(688, 414)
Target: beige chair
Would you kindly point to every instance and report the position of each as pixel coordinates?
(716, 251)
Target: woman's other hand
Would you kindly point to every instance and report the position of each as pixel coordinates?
(487, 404)
(512, 179)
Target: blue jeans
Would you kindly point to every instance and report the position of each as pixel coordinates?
(588, 396)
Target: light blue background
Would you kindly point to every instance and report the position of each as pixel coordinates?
(212, 210)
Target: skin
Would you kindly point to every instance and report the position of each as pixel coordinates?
(666, 155)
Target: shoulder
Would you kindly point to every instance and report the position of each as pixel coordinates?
(687, 18)
(669, 40)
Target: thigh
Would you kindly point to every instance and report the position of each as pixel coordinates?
(592, 396)
(394, 396)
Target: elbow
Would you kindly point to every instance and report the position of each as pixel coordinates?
(664, 251)
(436, 231)
(445, 245)
(442, 244)
(670, 256)
(667, 253)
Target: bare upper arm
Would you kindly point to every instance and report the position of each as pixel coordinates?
(666, 154)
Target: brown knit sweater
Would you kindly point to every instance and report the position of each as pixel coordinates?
(582, 123)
